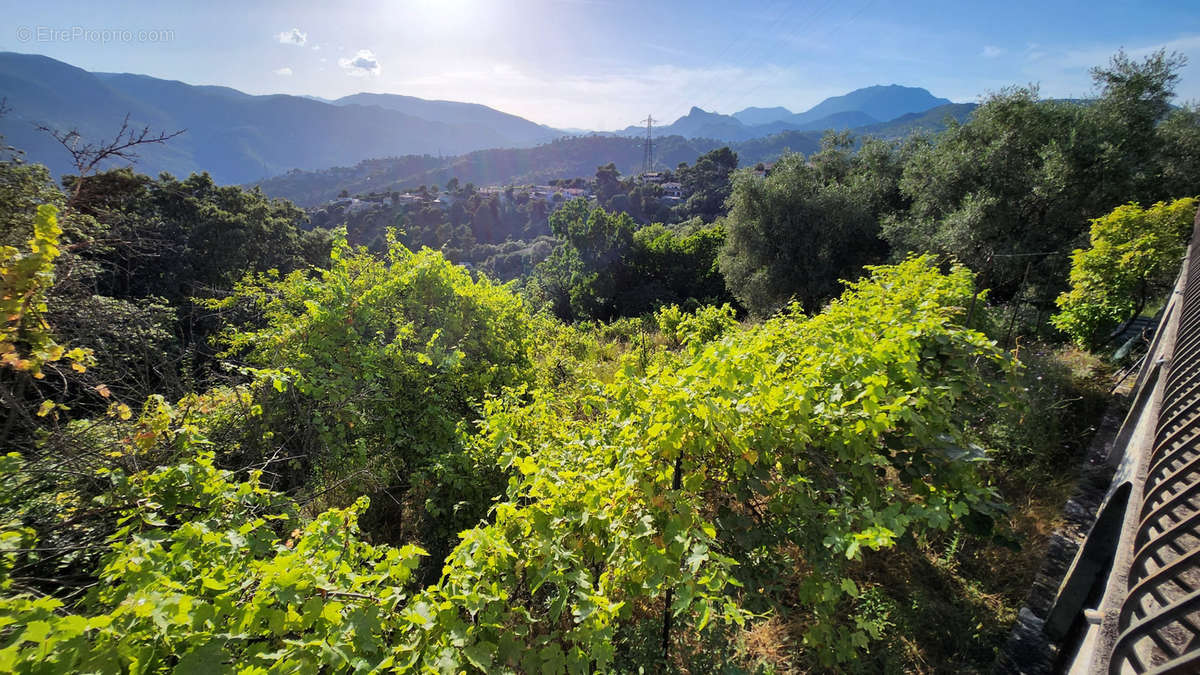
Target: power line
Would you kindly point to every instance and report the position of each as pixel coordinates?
(648, 150)
(1028, 255)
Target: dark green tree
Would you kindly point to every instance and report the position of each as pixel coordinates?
(677, 265)
(795, 234)
(595, 256)
(707, 184)
(1010, 191)
(1179, 161)
(608, 184)
(1134, 98)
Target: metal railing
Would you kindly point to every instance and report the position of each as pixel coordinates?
(1159, 621)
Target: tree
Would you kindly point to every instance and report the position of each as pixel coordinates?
(187, 238)
(485, 221)
(1134, 97)
(845, 431)
(135, 337)
(1010, 191)
(707, 184)
(608, 184)
(676, 264)
(646, 204)
(1179, 162)
(797, 233)
(601, 238)
(1001, 193)
(1133, 259)
(585, 275)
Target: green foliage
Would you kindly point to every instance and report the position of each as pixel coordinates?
(572, 356)
(600, 238)
(23, 188)
(693, 329)
(583, 490)
(677, 264)
(1063, 392)
(202, 577)
(1135, 97)
(584, 275)
(132, 253)
(845, 431)
(1134, 256)
(606, 267)
(707, 183)
(590, 531)
(1009, 181)
(369, 367)
(608, 185)
(1011, 191)
(796, 233)
(26, 343)
(1179, 161)
(190, 237)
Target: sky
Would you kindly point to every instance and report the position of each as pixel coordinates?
(606, 64)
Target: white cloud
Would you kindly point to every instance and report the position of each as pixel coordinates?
(363, 64)
(285, 71)
(293, 37)
(992, 51)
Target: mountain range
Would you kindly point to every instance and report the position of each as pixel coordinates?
(859, 108)
(243, 138)
(569, 157)
(235, 136)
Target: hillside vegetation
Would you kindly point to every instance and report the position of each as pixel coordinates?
(819, 420)
(574, 157)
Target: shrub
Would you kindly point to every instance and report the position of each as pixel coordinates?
(372, 365)
(1134, 256)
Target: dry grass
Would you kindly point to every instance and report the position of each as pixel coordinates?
(769, 643)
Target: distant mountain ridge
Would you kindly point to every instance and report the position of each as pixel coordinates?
(931, 120)
(575, 157)
(861, 107)
(235, 136)
(754, 116)
(880, 101)
(244, 138)
(518, 130)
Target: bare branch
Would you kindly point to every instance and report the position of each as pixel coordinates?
(87, 156)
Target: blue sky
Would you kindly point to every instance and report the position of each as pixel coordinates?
(604, 64)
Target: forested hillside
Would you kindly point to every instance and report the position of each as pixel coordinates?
(564, 158)
(799, 421)
(575, 157)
